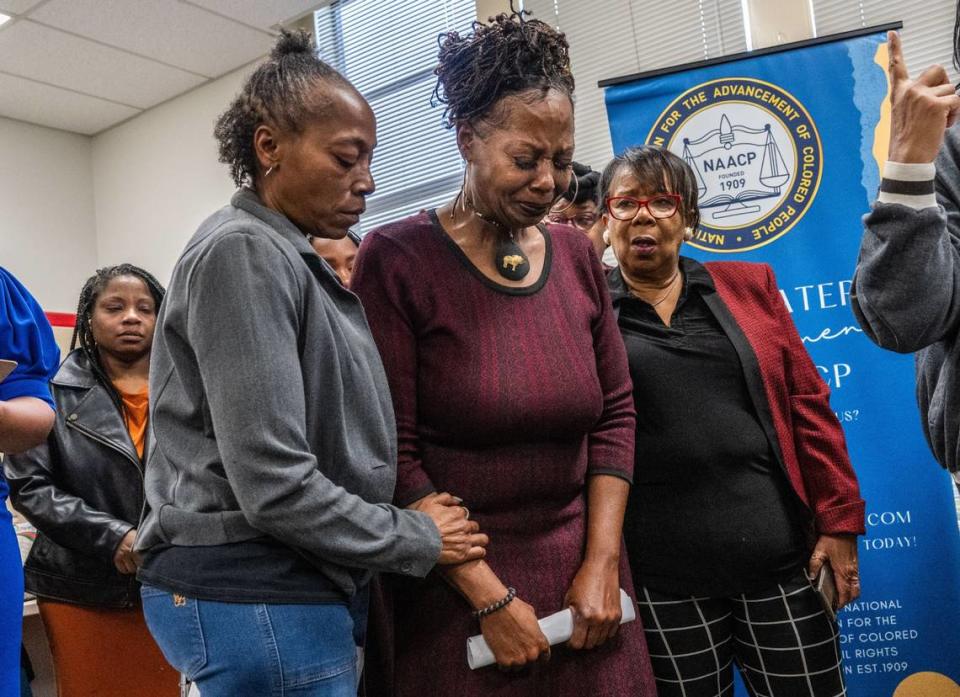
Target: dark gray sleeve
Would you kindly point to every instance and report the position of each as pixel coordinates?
(243, 326)
(906, 288)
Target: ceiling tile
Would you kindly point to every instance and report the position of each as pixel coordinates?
(51, 56)
(166, 30)
(16, 7)
(258, 13)
(51, 106)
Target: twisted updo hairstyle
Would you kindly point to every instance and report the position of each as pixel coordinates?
(280, 92)
(507, 56)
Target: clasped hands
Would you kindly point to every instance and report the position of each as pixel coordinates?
(513, 633)
(461, 539)
(125, 559)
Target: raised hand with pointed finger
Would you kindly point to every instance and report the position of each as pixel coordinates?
(921, 109)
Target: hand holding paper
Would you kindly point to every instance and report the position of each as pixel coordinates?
(558, 628)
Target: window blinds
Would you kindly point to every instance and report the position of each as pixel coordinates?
(618, 37)
(388, 50)
(609, 38)
(927, 26)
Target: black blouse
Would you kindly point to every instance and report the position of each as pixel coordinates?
(711, 511)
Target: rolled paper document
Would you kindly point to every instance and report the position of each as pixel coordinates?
(557, 627)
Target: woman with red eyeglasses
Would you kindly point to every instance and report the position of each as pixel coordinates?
(743, 489)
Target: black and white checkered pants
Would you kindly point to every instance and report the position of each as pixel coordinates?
(780, 638)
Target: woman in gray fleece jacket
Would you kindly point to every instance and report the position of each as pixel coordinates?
(906, 290)
(274, 453)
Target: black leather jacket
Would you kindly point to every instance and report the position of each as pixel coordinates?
(83, 491)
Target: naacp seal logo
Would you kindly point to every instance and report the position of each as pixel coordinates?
(756, 154)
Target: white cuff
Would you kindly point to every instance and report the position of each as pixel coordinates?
(909, 171)
(909, 184)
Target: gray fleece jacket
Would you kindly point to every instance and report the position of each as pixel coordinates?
(270, 409)
(906, 290)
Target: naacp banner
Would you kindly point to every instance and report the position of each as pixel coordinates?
(787, 145)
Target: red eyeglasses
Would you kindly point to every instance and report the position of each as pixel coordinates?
(659, 206)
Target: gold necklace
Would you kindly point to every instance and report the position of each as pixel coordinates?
(663, 297)
(509, 259)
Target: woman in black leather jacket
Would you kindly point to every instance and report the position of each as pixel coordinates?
(83, 490)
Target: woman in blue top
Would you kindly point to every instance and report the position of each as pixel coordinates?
(26, 415)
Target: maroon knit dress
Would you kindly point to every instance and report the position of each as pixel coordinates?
(509, 398)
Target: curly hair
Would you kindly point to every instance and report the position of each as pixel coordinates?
(280, 92)
(656, 168)
(82, 329)
(507, 56)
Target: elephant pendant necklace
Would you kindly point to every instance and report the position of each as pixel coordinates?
(508, 258)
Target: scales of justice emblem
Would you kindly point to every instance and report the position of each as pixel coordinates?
(736, 165)
(756, 155)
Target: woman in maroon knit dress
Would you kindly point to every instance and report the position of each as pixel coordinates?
(511, 390)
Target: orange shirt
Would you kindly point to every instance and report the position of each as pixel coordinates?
(135, 405)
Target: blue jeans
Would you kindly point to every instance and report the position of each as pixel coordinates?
(255, 650)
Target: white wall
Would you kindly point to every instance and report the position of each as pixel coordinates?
(774, 23)
(47, 226)
(156, 178)
(489, 8)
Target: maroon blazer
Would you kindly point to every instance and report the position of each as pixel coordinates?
(811, 444)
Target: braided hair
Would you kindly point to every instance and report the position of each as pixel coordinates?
(281, 93)
(509, 55)
(82, 329)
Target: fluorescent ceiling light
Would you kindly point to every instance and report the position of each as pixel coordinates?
(4, 19)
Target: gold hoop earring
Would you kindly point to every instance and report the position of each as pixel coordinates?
(576, 192)
(461, 199)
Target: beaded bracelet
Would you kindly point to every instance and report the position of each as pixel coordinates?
(499, 605)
